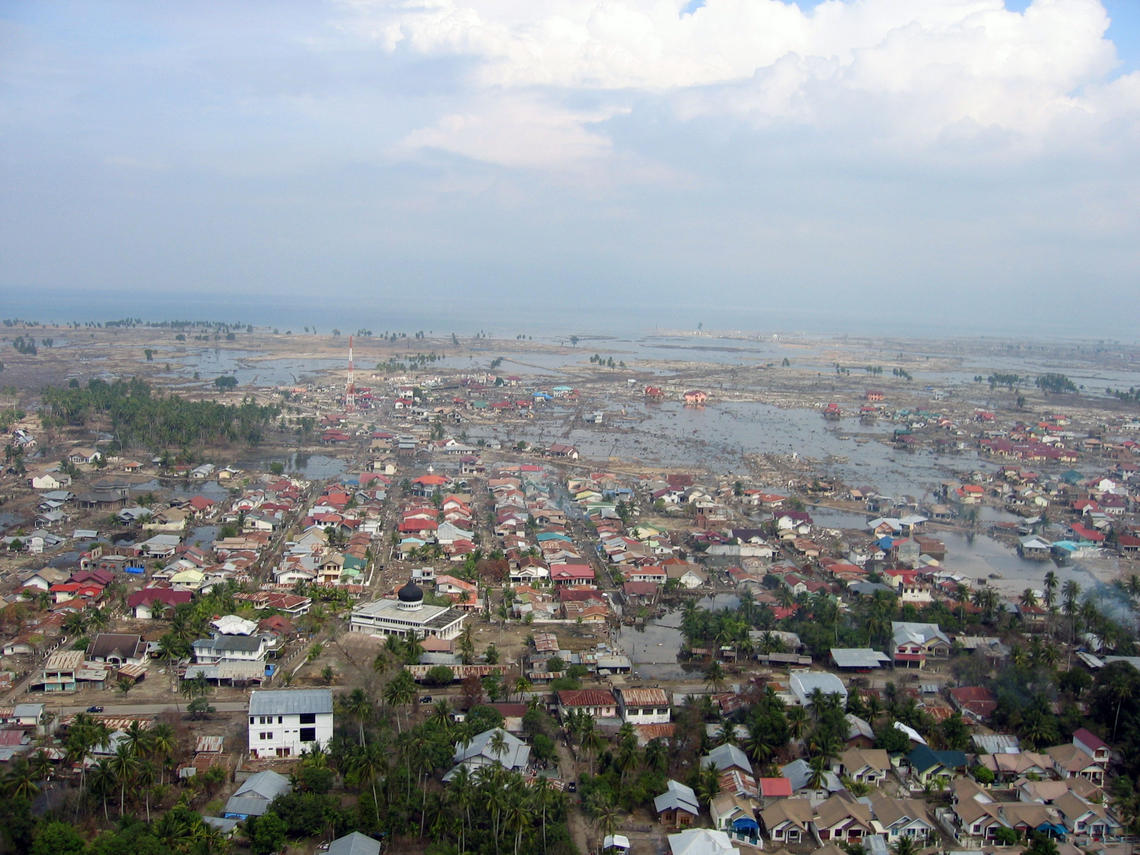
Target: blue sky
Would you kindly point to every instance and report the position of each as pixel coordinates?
(951, 156)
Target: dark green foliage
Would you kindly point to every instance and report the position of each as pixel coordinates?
(139, 418)
(314, 779)
(309, 814)
(439, 675)
(891, 739)
(266, 833)
(1056, 383)
(57, 838)
(483, 718)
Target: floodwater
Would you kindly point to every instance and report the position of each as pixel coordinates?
(653, 649)
(310, 467)
(203, 535)
(246, 367)
(721, 435)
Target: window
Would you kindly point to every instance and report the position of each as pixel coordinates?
(264, 735)
(308, 734)
(308, 718)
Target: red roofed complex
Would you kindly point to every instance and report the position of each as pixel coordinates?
(596, 702)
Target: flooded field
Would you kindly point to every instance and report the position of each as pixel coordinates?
(653, 649)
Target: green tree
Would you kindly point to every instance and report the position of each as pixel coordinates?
(266, 833)
(58, 838)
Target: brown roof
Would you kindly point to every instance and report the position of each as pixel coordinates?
(586, 698)
(644, 697)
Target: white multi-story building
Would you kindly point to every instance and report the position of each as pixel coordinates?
(285, 722)
(644, 706)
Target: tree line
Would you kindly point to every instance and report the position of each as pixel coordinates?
(139, 417)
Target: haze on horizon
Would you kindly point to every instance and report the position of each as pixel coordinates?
(923, 159)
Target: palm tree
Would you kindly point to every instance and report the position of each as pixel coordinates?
(592, 743)
(1118, 689)
(522, 686)
(357, 706)
(461, 792)
(714, 676)
(1050, 590)
(797, 722)
(162, 743)
(136, 738)
(758, 744)
(1070, 593)
(399, 692)
(103, 782)
(366, 765)
(441, 713)
(726, 733)
(19, 780)
(818, 777)
(904, 846)
(601, 806)
(1029, 598)
(124, 766)
(84, 734)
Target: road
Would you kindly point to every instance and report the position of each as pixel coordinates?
(154, 709)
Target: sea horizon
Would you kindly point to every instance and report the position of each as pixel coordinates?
(545, 322)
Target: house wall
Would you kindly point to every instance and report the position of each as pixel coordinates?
(281, 736)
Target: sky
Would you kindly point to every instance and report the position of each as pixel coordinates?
(967, 163)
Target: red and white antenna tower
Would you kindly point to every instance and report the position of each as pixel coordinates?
(350, 386)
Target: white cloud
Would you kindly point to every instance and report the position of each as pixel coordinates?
(517, 131)
(905, 71)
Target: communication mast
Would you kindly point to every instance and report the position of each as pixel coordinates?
(350, 386)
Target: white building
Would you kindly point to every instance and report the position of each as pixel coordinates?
(284, 722)
(644, 706)
(407, 616)
(803, 683)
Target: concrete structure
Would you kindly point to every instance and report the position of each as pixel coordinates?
(803, 683)
(284, 722)
(407, 616)
(644, 706)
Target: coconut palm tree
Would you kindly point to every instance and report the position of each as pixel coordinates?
(162, 744)
(399, 692)
(1070, 593)
(124, 766)
(714, 676)
(1050, 596)
(365, 766)
(797, 722)
(759, 745)
(103, 782)
(358, 707)
(818, 777)
(19, 780)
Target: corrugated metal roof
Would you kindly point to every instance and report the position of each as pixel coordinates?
(290, 701)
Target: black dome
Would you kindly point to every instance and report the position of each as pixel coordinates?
(410, 593)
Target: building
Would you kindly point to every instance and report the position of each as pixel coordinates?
(677, 807)
(644, 706)
(596, 702)
(254, 796)
(285, 722)
(912, 643)
(493, 747)
(354, 843)
(117, 648)
(804, 683)
(407, 616)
